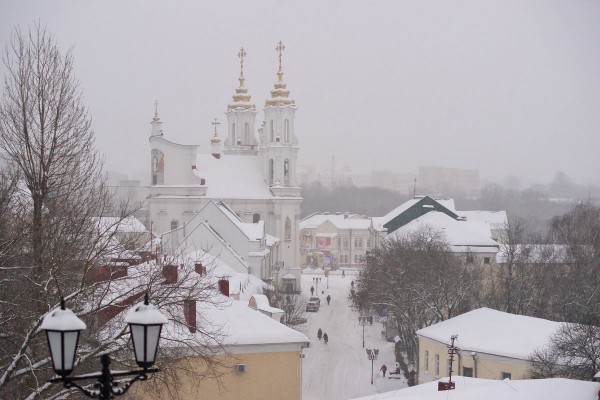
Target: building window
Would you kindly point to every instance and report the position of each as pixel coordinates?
(272, 131)
(247, 133)
(286, 171)
(426, 360)
(468, 372)
(437, 364)
(174, 224)
(271, 171)
(288, 229)
(486, 260)
(345, 243)
(506, 375)
(255, 218)
(286, 131)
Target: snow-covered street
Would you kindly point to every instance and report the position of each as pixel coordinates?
(341, 369)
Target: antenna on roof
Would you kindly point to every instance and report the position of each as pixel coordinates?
(415, 189)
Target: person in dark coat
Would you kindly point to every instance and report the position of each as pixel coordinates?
(325, 337)
(343, 274)
(328, 299)
(319, 333)
(383, 369)
(312, 290)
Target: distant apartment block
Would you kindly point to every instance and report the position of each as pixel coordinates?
(442, 181)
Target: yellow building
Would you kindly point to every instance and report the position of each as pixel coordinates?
(491, 345)
(259, 358)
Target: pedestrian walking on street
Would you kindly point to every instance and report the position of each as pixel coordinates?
(319, 333)
(383, 369)
(370, 320)
(343, 274)
(329, 299)
(352, 283)
(312, 290)
(325, 337)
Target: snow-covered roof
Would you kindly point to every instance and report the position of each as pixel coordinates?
(128, 224)
(477, 389)
(240, 283)
(253, 231)
(243, 325)
(340, 221)
(495, 219)
(380, 221)
(232, 176)
(494, 332)
(262, 303)
(459, 234)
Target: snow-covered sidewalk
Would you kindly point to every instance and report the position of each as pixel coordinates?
(341, 369)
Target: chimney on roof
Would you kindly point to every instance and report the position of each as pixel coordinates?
(224, 287)
(189, 313)
(169, 272)
(200, 269)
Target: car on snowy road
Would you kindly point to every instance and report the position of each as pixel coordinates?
(314, 303)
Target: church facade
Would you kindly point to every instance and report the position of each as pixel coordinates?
(252, 171)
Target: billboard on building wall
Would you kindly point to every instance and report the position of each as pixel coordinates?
(323, 242)
(158, 167)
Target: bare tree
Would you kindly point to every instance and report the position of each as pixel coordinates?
(52, 242)
(573, 352)
(420, 281)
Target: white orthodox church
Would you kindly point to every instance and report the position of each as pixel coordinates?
(254, 175)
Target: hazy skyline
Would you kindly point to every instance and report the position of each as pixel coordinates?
(506, 87)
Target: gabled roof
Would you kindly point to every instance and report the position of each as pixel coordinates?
(412, 209)
(460, 235)
(251, 231)
(494, 332)
(477, 389)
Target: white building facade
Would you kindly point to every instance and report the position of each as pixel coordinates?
(256, 178)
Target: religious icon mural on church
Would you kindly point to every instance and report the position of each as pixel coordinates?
(158, 167)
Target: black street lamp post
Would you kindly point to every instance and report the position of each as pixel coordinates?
(63, 328)
(372, 354)
(363, 320)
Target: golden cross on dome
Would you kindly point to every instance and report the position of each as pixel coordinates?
(215, 123)
(242, 54)
(280, 48)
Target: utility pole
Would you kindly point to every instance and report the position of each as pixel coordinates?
(452, 350)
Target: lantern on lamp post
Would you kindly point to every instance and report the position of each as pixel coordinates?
(63, 329)
(372, 355)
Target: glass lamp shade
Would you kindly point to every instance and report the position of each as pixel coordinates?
(145, 343)
(145, 322)
(62, 328)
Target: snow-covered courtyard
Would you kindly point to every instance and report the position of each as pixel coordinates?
(341, 369)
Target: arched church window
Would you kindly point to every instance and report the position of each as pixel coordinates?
(247, 133)
(256, 218)
(271, 171)
(286, 131)
(286, 171)
(288, 229)
(272, 131)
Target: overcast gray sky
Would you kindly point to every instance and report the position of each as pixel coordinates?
(507, 87)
